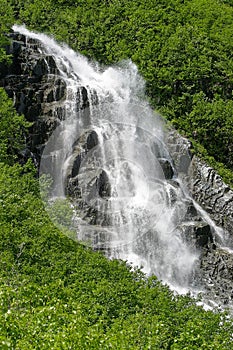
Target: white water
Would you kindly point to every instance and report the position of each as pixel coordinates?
(139, 220)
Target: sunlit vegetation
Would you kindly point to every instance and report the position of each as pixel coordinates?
(58, 294)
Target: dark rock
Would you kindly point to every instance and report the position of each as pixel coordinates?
(191, 212)
(85, 142)
(215, 272)
(92, 140)
(76, 165)
(60, 89)
(197, 233)
(166, 167)
(83, 97)
(41, 67)
(103, 185)
(203, 235)
(33, 81)
(52, 66)
(204, 184)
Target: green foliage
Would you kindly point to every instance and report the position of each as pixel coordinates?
(12, 130)
(59, 294)
(212, 121)
(7, 20)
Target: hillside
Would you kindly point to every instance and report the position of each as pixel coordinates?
(59, 294)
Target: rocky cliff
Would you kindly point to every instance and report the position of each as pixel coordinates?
(215, 198)
(209, 190)
(37, 89)
(202, 181)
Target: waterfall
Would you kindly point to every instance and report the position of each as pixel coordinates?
(114, 184)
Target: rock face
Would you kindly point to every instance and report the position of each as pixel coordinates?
(37, 88)
(179, 148)
(217, 274)
(203, 183)
(216, 198)
(208, 189)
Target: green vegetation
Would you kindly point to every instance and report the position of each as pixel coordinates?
(12, 130)
(56, 293)
(6, 15)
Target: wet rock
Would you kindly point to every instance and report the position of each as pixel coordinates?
(54, 91)
(155, 149)
(215, 273)
(103, 185)
(203, 183)
(191, 212)
(171, 190)
(203, 235)
(92, 140)
(83, 97)
(81, 146)
(166, 167)
(76, 165)
(180, 149)
(197, 233)
(209, 190)
(41, 67)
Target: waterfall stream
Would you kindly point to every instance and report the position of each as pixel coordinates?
(114, 184)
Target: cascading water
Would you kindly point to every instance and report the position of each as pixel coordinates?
(108, 161)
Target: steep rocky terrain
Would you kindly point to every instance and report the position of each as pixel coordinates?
(34, 83)
(216, 198)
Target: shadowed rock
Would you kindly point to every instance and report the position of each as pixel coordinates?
(103, 185)
(167, 168)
